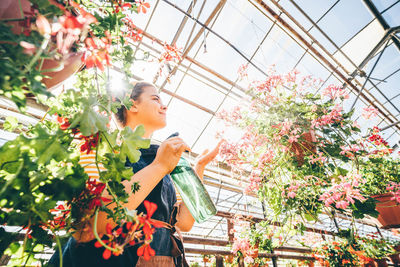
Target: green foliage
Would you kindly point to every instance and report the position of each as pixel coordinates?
(16, 80)
(374, 247)
(378, 173)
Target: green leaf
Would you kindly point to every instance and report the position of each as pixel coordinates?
(116, 169)
(10, 124)
(368, 207)
(132, 142)
(89, 120)
(108, 143)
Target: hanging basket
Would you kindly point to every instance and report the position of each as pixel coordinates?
(63, 69)
(10, 10)
(389, 211)
(306, 145)
(58, 70)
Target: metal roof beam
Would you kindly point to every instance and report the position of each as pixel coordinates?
(372, 8)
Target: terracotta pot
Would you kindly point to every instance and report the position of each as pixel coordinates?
(310, 264)
(9, 9)
(65, 69)
(395, 259)
(389, 211)
(70, 64)
(381, 262)
(307, 144)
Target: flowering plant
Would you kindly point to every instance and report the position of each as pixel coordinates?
(374, 247)
(43, 186)
(339, 253)
(298, 146)
(379, 168)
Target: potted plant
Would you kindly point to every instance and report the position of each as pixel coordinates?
(381, 174)
(376, 248)
(338, 253)
(298, 147)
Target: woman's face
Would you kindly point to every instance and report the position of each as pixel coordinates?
(150, 111)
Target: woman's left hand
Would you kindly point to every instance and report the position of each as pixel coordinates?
(206, 157)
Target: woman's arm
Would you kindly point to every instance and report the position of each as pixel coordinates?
(167, 158)
(168, 155)
(184, 218)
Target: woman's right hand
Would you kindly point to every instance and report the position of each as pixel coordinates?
(170, 152)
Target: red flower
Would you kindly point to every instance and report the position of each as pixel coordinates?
(64, 123)
(148, 222)
(121, 6)
(90, 142)
(171, 53)
(141, 6)
(95, 187)
(146, 251)
(97, 202)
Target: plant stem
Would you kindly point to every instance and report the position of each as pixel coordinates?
(96, 235)
(25, 239)
(38, 53)
(20, 9)
(60, 255)
(55, 235)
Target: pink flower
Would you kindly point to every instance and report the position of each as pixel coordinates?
(292, 194)
(344, 192)
(248, 260)
(342, 204)
(242, 71)
(369, 112)
(334, 92)
(29, 48)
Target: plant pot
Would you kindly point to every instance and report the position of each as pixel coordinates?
(65, 69)
(9, 9)
(381, 262)
(389, 211)
(395, 259)
(306, 145)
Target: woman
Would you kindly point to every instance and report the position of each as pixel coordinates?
(152, 174)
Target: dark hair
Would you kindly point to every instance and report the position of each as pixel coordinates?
(135, 94)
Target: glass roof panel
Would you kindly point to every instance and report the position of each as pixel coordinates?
(220, 57)
(388, 63)
(310, 66)
(392, 16)
(314, 9)
(200, 93)
(247, 27)
(278, 49)
(346, 24)
(169, 26)
(381, 5)
(360, 45)
(184, 118)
